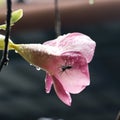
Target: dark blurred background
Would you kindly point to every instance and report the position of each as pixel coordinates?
(22, 92)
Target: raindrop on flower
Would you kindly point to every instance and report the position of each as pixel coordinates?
(16, 51)
(31, 64)
(38, 68)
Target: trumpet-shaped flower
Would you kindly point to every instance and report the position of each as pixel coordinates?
(65, 61)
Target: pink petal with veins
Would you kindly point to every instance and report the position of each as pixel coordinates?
(65, 60)
(61, 92)
(75, 42)
(75, 79)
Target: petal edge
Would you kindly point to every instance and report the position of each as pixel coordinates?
(48, 83)
(63, 95)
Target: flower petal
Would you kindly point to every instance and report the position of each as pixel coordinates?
(76, 78)
(61, 92)
(48, 83)
(75, 42)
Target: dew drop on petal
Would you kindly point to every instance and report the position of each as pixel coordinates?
(38, 68)
(31, 64)
(16, 51)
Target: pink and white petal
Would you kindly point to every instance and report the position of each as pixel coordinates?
(75, 79)
(79, 42)
(55, 42)
(75, 42)
(63, 95)
(48, 83)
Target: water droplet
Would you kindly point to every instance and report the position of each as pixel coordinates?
(38, 68)
(16, 51)
(31, 64)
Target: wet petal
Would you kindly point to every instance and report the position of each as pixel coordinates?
(61, 92)
(75, 42)
(76, 78)
(48, 83)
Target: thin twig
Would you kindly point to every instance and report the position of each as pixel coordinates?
(57, 19)
(5, 59)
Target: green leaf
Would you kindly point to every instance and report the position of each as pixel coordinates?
(3, 27)
(16, 15)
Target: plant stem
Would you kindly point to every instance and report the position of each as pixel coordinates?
(57, 19)
(5, 59)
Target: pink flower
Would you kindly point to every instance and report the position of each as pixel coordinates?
(65, 61)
